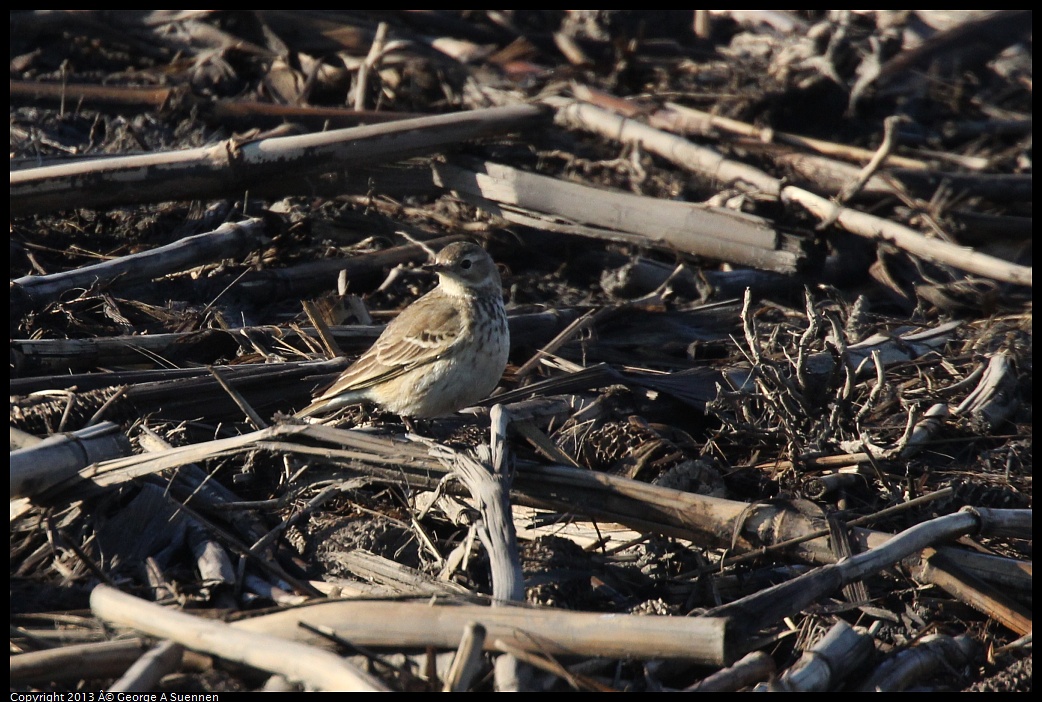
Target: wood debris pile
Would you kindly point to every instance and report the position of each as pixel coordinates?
(768, 402)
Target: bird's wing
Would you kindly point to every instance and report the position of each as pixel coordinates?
(421, 334)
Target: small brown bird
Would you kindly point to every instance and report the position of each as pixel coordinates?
(444, 352)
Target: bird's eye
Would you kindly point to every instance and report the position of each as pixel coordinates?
(465, 264)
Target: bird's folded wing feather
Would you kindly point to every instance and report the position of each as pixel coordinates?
(421, 334)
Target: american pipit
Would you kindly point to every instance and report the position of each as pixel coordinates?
(444, 352)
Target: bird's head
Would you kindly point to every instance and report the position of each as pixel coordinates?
(464, 268)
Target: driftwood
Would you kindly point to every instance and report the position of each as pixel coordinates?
(905, 668)
(835, 656)
(904, 238)
(32, 357)
(227, 241)
(318, 670)
(148, 670)
(687, 155)
(107, 658)
(699, 518)
(558, 633)
(234, 166)
(702, 231)
(60, 456)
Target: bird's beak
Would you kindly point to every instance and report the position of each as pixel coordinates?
(434, 267)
